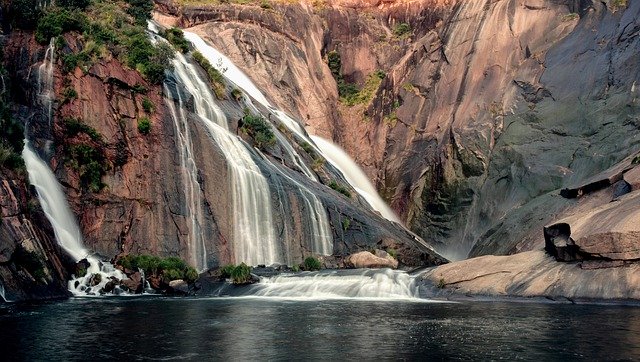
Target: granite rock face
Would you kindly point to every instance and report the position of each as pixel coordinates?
(486, 111)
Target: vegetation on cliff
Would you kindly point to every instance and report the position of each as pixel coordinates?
(106, 28)
(259, 130)
(170, 268)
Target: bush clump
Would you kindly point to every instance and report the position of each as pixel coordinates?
(57, 21)
(340, 188)
(259, 130)
(311, 263)
(11, 139)
(90, 164)
(215, 77)
(175, 36)
(144, 125)
(402, 30)
(239, 274)
(74, 126)
(170, 268)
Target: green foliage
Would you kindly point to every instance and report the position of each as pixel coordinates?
(346, 222)
(236, 94)
(80, 4)
(241, 274)
(340, 188)
(57, 21)
(402, 30)
(215, 77)
(24, 13)
(265, 4)
(393, 253)
(68, 94)
(90, 164)
(259, 130)
(147, 105)
(74, 126)
(226, 271)
(311, 263)
(30, 261)
(307, 148)
(170, 268)
(365, 95)
(151, 61)
(144, 125)
(441, 284)
(140, 10)
(335, 64)
(295, 268)
(11, 139)
(175, 36)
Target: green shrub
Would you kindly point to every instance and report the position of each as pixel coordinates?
(226, 271)
(147, 105)
(311, 263)
(140, 10)
(241, 274)
(401, 30)
(90, 164)
(341, 189)
(57, 21)
(295, 268)
(236, 94)
(259, 130)
(441, 284)
(25, 13)
(144, 125)
(175, 36)
(265, 4)
(393, 253)
(215, 77)
(68, 94)
(74, 126)
(365, 95)
(170, 268)
(80, 4)
(346, 222)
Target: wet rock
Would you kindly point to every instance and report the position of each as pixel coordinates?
(95, 279)
(608, 232)
(534, 274)
(365, 259)
(179, 286)
(134, 283)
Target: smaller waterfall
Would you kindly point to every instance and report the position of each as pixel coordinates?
(65, 227)
(198, 250)
(3, 293)
(355, 176)
(364, 284)
(45, 80)
(254, 236)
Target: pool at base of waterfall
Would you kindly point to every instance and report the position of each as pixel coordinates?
(267, 329)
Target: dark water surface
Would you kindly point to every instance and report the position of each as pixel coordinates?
(262, 329)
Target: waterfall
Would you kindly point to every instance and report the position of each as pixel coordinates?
(54, 203)
(368, 283)
(45, 80)
(253, 232)
(196, 242)
(322, 239)
(355, 176)
(3, 293)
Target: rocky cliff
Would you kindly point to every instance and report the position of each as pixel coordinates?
(485, 109)
(128, 186)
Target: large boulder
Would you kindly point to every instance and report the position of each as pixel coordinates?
(608, 232)
(365, 259)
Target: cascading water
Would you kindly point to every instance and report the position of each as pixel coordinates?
(3, 293)
(365, 284)
(197, 248)
(355, 176)
(45, 80)
(254, 236)
(54, 203)
(322, 240)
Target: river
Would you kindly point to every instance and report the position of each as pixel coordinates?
(157, 328)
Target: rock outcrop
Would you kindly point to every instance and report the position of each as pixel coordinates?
(32, 266)
(366, 259)
(486, 111)
(534, 274)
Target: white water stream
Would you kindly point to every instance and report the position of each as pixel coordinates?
(53, 201)
(322, 242)
(362, 284)
(254, 237)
